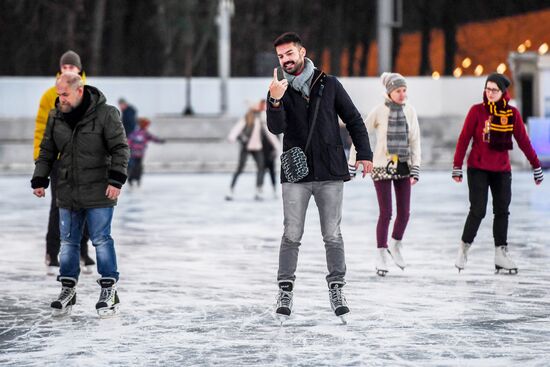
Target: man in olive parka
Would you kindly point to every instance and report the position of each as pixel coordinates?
(88, 136)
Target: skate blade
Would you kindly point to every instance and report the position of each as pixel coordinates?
(343, 319)
(106, 313)
(512, 271)
(381, 273)
(459, 269)
(282, 318)
(56, 312)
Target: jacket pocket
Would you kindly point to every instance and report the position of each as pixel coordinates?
(337, 160)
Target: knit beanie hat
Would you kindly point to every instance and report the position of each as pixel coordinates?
(392, 81)
(71, 58)
(499, 79)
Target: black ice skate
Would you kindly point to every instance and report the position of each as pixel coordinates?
(338, 300)
(284, 301)
(66, 299)
(503, 261)
(108, 302)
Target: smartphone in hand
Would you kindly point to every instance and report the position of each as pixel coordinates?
(280, 74)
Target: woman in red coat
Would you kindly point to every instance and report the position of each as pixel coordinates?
(491, 125)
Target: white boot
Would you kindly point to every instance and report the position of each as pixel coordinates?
(381, 261)
(229, 195)
(462, 256)
(503, 260)
(395, 252)
(259, 194)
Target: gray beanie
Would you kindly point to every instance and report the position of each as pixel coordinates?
(392, 81)
(71, 58)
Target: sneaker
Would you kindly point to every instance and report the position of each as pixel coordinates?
(52, 265)
(337, 299)
(66, 299)
(395, 251)
(381, 261)
(462, 256)
(108, 302)
(504, 261)
(284, 298)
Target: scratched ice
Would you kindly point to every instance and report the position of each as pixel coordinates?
(198, 283)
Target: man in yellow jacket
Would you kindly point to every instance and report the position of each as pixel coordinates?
(69, 61)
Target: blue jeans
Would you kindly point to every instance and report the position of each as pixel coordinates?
(328, 196)
(71, 223)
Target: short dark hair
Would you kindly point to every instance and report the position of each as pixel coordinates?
(288, 37)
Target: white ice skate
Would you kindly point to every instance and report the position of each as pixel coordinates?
(284, 301)
(381, 261)
(87, 265)
(52, 265)
(395, 252)
(338, 301)
(503, 261)
(107, 305)
(67, 298)
(462, 256)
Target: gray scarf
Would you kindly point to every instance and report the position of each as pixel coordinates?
(398, 131)
(302, 82)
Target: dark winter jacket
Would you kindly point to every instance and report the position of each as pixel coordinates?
(91, 156)
(325, 155)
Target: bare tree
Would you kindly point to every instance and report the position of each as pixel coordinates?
(97, 37)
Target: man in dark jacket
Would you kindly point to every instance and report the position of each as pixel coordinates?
(89, 139)
(129, 116)
(290, 111)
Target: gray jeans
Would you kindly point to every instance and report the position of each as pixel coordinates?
(328, 196)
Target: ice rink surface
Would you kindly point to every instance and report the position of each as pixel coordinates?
(198, 283)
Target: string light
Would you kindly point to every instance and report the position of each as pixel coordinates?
(457, 72)
(543, 49)
(501, 68)
(435, 75)
(527, 43)
(466, 63)
(478, 70)
(522, 48)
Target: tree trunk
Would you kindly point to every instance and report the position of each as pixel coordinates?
(97, 37)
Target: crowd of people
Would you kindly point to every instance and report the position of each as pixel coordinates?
(86, 150)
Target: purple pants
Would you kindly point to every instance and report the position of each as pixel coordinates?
(403, 203)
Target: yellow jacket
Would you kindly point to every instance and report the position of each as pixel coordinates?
(47, 103)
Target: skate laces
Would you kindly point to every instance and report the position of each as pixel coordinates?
(66, 293)
(106, 294)
(284, 298)
(337, 297)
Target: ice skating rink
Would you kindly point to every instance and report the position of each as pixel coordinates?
(198, 283)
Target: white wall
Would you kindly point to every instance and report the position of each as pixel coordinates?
(19, 96)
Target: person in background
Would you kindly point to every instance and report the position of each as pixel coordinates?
(248, 132)
(396, 163)
(138, 141)
(69, 62)
(271, 147)
(129, 116)
(490, 125)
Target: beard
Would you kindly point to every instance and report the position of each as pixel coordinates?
(65, 107)
(292, 67)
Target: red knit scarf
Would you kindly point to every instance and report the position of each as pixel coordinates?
(499, 127)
